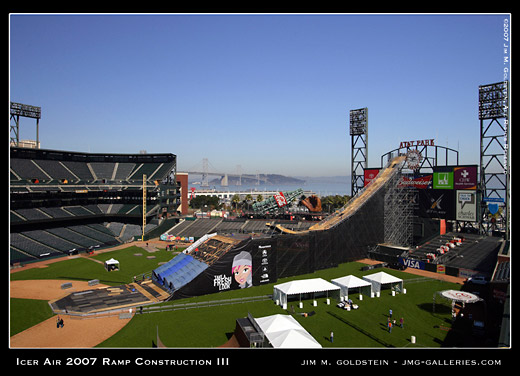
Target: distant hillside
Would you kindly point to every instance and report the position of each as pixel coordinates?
(326, 179)
(271, 179)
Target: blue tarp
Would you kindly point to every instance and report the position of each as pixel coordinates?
(179, 271)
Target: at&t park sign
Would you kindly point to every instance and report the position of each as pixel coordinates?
(411, 144)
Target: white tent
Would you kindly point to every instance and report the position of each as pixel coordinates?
(379, 279)
(460, 296)
(277, 323)
(455, 296)
(351, 282)
(112, 264)
(304, 286)
(293, 338)
(283, 331)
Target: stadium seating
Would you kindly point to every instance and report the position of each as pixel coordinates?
(63, 201)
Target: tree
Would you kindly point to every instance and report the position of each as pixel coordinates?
(332, 203)
(235, 200)
(248, 200)
(211, 202)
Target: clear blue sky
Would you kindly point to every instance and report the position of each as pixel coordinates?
(271, 93)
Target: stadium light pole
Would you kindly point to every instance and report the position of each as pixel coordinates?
(359, 150)
(144, 206)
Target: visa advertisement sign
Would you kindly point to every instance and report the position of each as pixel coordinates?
(410, 263)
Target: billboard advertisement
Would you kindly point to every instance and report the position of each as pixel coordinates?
(466, 205)
(455, 177)
(465, 177)
(369, 175)
(443, 180)
(411, 263)
(419, 182)
(436, 203)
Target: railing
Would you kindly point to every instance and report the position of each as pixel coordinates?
(212, 303)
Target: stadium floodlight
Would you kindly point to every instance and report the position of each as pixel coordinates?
(359, 149)
(24, 110)
(493, 101)
(358, 121)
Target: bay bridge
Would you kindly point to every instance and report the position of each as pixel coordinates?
(208, 170)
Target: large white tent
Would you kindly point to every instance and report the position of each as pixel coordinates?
(379, 279)
(303, 286)
(283, 331)
(351, 282)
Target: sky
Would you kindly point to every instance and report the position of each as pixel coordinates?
(270, 93)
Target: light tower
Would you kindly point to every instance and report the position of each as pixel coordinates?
(144, 206)
(24, 110)
(359, 151)
(493, 112)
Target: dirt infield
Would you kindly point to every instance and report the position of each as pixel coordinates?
(76, 332)
(47, 289)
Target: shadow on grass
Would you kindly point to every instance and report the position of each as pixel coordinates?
(440, 309)
(361, 330)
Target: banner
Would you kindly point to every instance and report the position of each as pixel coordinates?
(250, 263)
(369, 175)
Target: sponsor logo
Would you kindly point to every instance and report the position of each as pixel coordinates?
(465, 177)
(422, 182)
(369, 175)
(280, 199)
(414, 264)
(443, 180)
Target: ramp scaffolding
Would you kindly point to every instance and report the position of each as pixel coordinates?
(398, 213)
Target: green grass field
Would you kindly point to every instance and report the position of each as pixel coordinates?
(209, 327)
(85, 269)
